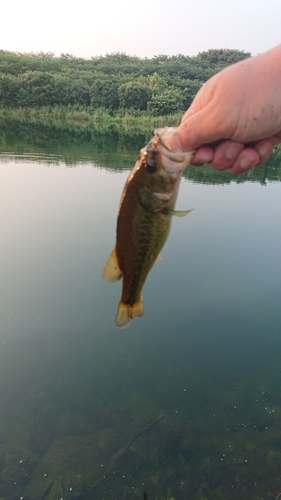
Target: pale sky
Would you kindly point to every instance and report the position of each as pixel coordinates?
(139, 27)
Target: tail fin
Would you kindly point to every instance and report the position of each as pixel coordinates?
(126, 312)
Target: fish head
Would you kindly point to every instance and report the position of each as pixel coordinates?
(161, 170)
(158, 189)
(155, 177)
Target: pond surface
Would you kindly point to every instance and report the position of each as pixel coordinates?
(78, 395)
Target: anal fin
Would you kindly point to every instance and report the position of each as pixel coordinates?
(112, 271)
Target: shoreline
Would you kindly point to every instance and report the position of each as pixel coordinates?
(90, 118)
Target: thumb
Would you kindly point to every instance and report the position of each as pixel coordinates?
(198, 128)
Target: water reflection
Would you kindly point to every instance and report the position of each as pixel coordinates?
(69, 145)
(114, 150)
(74, 390)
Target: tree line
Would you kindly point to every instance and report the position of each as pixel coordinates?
(160, 85)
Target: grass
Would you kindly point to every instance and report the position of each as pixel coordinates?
(139, 121)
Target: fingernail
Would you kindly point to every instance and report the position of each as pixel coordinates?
(175, 143)
(232, 151)
(264, 149)
(201, 158)
(246, 163)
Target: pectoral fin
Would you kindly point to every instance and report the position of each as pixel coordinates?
(179, 213)
(112, 271)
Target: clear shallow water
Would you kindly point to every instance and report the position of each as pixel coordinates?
(74, 390)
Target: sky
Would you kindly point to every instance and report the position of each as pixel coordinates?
(139, 27)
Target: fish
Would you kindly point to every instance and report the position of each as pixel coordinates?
(144, 220)
(48, 490)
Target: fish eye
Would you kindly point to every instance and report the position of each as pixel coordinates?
(151, 166)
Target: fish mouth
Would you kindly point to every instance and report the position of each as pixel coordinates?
(176, 156)
(173, 161)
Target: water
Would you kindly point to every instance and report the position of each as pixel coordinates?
(74, 390)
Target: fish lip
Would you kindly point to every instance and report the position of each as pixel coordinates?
(181, 158)
(171, 167)
(171, 156)
(161, 140)
(173, 162)
(175, 156)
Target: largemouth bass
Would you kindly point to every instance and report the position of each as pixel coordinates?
(144, 220)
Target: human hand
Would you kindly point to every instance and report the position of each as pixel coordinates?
(235, 119)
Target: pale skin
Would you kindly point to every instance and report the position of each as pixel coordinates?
(234, 120)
